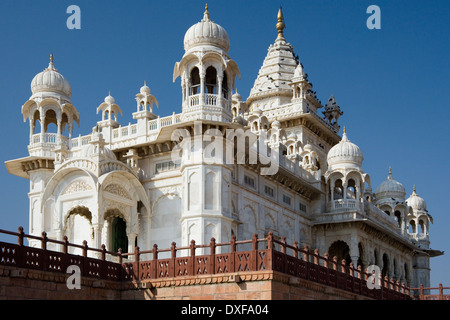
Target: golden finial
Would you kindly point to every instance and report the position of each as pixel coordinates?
(145, 82)
(344, 130)
(206, 14)
(109, 92)
(280, 24)
(51, 57)
(414, 189)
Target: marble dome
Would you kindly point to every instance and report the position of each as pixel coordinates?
(50, 80)
(345, 153)
(206, 32)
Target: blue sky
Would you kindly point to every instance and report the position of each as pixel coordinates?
(392, 83)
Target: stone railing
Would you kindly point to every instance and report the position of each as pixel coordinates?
(158, 123)
(266, 254)
(423, 293)
(48, 138)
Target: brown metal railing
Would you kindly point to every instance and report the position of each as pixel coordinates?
(265, 254)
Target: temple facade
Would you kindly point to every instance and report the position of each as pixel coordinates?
(224, 166)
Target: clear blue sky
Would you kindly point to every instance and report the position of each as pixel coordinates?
(392, 83)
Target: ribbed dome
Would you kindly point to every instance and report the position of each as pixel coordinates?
(206, 32)
(416, 202)
(390, 188)
(50, 80)
(345, 153)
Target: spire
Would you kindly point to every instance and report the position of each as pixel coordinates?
(51, 65)
(344, 135)
(280, 24)
(206, 14)
(390, 173)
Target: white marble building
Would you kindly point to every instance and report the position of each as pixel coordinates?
(119, 185)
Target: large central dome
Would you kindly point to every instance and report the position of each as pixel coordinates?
(206, 32)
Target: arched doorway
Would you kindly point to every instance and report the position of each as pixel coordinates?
(341, 250)
(119, 235)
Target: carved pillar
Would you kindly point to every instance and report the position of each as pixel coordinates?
(219, 91)
(42, 127)
(202, 85)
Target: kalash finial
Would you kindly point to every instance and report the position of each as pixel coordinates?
(51, 66)
(206, 14)
(280, 24)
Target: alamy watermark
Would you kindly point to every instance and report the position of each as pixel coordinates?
(74, 20)
(74, 280)
(239, 146)
(374, 20)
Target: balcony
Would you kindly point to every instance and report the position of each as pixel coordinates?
(344, 204)
(209, 100)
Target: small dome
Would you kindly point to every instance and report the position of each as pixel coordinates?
(89, 150)
(145, 89)
(307, 148)
(206, 32)
(292, 136)
(390, 188)
(236, 96)
(50, 80)
(275, 124)
(416, 202)
(345, 153)
(109, 99)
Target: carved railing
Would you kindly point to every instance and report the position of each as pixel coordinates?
(21, 256)
(266, 254)
(424, 293)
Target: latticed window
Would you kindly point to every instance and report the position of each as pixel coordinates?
(166, 166)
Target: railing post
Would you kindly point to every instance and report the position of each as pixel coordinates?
(154, 270)
(295, 250)
(283, 245)
(103, 270)
(192, 259)
(306, 253)
(173, 255)
(20, 236)
(325, 264)
(137, 259)
(21, 252)
(44, 257)
(441, 292)
(232, 264)
(253, 262)
(270, 241)
(306, 259)
(120, 255)
(85, 270)
(212, 260)
(421, 292)
(65, 248)
(343, 267)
